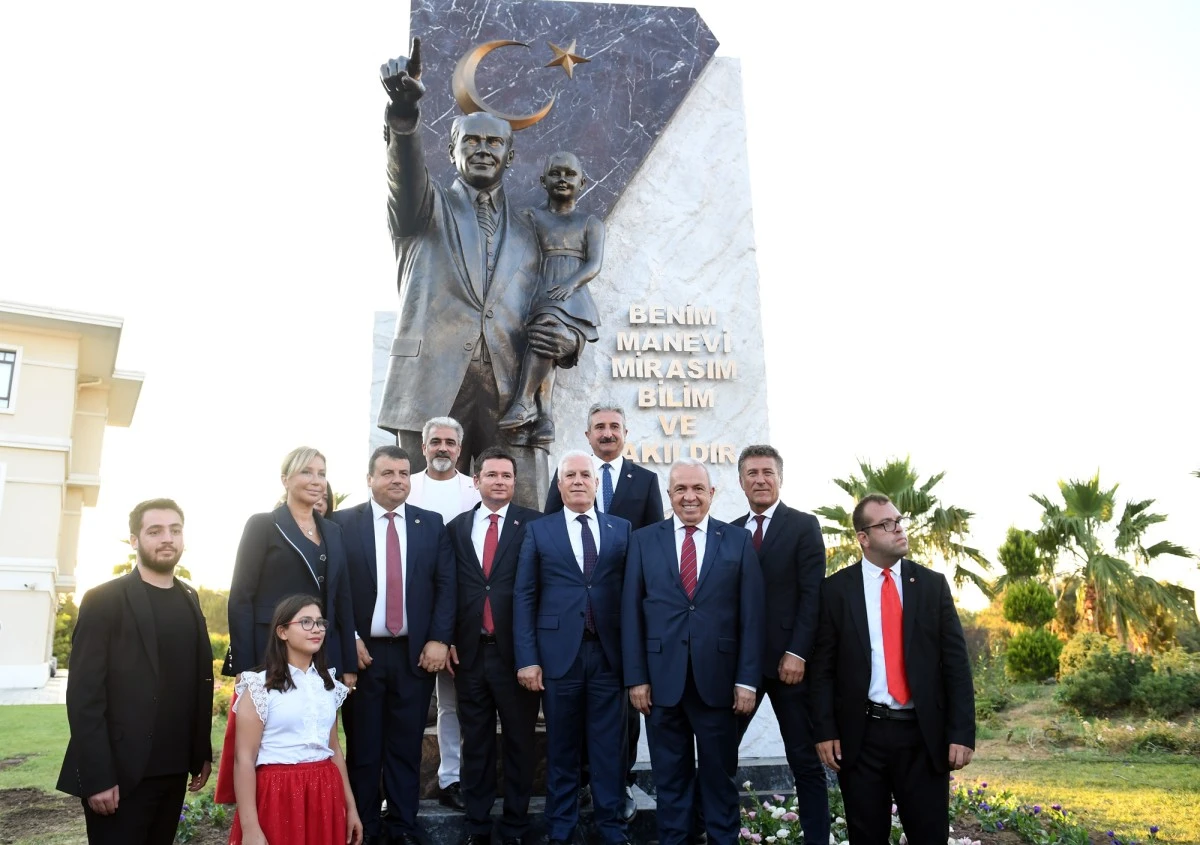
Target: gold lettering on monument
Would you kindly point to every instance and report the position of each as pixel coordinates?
(672, 366)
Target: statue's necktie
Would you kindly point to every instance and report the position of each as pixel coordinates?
(393, 613)
(893, 639)
(589, 566)
(606, 489)
(758, 531)
(490, 541)
(484, 214)
(687, 562)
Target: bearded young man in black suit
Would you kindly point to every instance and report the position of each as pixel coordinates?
(792, 555)
(487, 541)
(892, 702)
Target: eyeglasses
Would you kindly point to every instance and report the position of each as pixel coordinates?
(889, 525)
(308, 623)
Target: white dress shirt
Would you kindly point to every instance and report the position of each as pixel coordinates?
(575, 532)
(699, 537)
(872, 587)
(617, 465)
(296, 723)
(767, 515)
(379, 615)
(480, 526)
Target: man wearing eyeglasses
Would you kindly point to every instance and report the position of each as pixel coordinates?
(892, 703)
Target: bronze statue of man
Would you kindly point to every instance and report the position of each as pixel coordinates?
(468, 269)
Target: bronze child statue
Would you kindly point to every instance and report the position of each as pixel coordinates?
(572, 247)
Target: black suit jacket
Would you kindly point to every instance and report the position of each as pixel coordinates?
(429, 580)
(111, 703)
(636, 499)
(793, 566)
(473, 587)
(270, 567)
(935, 659)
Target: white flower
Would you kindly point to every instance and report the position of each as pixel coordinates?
(832, 841)
(782, 833)
(839, 820)
(746, 786)
(770, 838)
(777, 812)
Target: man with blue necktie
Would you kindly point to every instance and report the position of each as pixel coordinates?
(567, 644)
(632, 493)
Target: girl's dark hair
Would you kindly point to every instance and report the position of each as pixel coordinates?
(279, 677)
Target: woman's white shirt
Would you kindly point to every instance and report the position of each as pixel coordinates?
(296, 723)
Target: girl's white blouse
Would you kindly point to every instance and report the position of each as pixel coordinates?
(296, 723)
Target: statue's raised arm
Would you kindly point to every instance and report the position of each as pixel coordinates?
(408, 181)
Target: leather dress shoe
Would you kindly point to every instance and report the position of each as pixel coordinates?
(630, 808)
(452, 797)
(477, 839)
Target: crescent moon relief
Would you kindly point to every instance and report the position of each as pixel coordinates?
(467, 95)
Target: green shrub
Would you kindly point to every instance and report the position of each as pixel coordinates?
(1032, 656)
(1103, 682)
(1166, 695)
(222, 696)
(1081, 647)
(219, 643)
(1029, 603)
(1019, 555)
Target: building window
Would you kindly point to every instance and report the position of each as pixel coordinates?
(8, 378)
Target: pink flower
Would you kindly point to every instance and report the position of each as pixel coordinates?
(778, 798)
(745, 833)
(790, 817)
(756, 837)
(752, 814)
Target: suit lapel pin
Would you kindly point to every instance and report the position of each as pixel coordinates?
(417, 521)
(912, 580)
(629, 475)
(516, 522)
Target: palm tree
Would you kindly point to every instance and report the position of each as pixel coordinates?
(1107, 561)
(935, 531)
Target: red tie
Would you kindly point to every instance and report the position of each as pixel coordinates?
(687, 562)
(490, 540)
(758, 531)
(393, 613)
(893, 639)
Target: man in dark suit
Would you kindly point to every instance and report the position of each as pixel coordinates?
(567, 641)
(792, 556)
(403, 588)
(486, 541)
(892, 703)
(468, 267)
(692, 637)
(140, 698)
(630, 492)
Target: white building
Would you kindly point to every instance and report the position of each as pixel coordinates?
(58, 391)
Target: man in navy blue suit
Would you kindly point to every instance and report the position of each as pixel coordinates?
(792, 555)
(630, 492)
(567, 644)
(692, 639)
(402, 581)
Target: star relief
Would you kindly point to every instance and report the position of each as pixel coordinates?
(566, 59)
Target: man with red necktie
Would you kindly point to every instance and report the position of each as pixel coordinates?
(892, 702)
(486, 541)
(692, 638)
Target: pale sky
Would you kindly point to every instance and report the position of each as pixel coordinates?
(978, 232)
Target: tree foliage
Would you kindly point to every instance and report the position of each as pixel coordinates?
(936, 531)
(64, 627)
(125, 568)
(1104, 559)
(1029, 603)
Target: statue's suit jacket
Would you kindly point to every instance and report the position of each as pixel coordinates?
(793, 566)
(444, 307)
(719, 630)
(112, 697)
(935, 660)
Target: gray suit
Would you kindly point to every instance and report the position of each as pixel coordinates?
(447, 302)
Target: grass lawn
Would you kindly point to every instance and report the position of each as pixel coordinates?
(33, 740)
(1126, 795)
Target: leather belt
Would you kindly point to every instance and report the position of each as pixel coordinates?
(882, 711)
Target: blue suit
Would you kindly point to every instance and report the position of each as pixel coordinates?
(584, 696)
(692, 653)
(385, 718)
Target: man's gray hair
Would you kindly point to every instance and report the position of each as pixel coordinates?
(441, 422)
(689, 462)
(574, 453)
(601, 407)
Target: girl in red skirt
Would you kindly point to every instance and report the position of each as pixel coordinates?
(289, 772)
